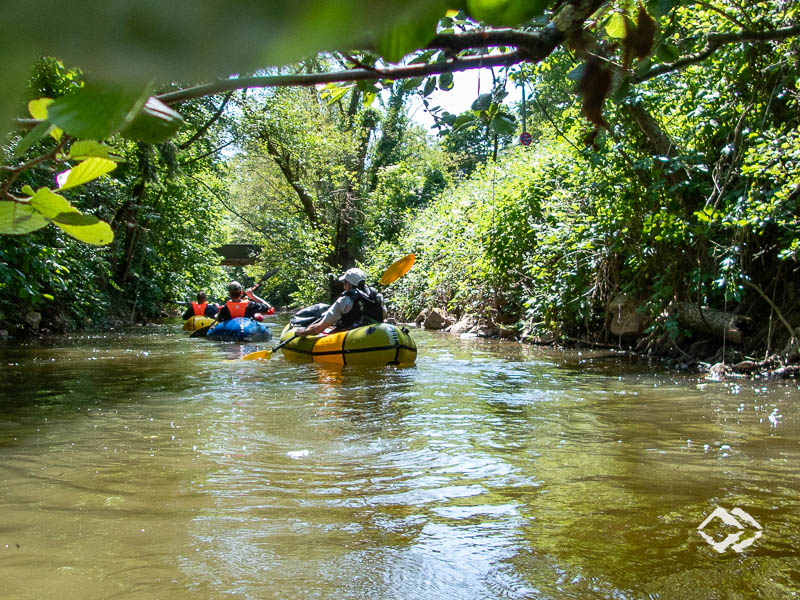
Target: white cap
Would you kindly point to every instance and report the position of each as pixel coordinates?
(353, 276)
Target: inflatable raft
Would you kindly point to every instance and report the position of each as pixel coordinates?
(240, 329)
(196, 322)
(371, 345)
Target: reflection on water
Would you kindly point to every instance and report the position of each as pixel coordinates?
(147, 464)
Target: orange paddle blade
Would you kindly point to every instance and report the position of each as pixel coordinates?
(398, 269)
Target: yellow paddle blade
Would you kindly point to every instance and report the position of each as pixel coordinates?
(398, 269)
(259, 355)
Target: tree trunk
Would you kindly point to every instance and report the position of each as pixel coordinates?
(722, 325)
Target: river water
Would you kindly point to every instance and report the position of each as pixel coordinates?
(145, 464)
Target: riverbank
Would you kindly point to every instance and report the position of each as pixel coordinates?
(717, 359)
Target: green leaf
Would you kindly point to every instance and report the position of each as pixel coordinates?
(616, 26)
(422, 58)
(410, 84)
(503, 124)
(463, 120)
(89, 169)
(38, 110)
(446, 81)
(98, 234)
(430, 86)
(33, 136)
(505, 13)
(91, 149)
(410, 35)
(659, 8)
(667, 53)
(334, 92)
(369, 98)
(449, 118)
(56, 208)
(576, 74)
(155, 123)
(97, 112)
(50, 204)
(74, 218)
(482, 102)
(18, 219)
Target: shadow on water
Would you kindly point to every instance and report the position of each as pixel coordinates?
(148, 464)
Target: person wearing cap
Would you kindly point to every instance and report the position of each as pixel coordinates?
(358, 305)
(201, 308)
(238, 306)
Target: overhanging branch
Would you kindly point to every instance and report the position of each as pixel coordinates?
(713, 42)
(310, 79)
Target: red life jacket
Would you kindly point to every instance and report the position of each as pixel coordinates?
(199, 309)
(237, 308)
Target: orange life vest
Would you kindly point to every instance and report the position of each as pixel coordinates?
(237, 308)
(199, 309)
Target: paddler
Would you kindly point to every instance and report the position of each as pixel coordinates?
(358, 305)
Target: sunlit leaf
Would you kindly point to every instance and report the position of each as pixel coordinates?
(505, 13)
(97, 112)
(51, 204)
(38, 110)
(56, 208)
(154, 123)
(446, 81)
(616, 26)
(333, 93)
(17, 218)
(89, 169)
(369, 98)
(90, 149)
(98, 234)
(75, 218)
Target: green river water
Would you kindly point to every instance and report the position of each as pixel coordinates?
(145, 464)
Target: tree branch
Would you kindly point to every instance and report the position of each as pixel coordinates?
(306, 79)
(208, 124)
(713, 43)
(717, 10)
(779, 314)
(227, 206)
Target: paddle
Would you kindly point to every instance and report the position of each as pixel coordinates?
(267, 354)
(204, 330)
(393, 273)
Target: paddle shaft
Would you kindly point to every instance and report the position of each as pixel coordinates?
(282, 344)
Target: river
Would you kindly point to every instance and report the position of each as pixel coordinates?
(146, 464)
